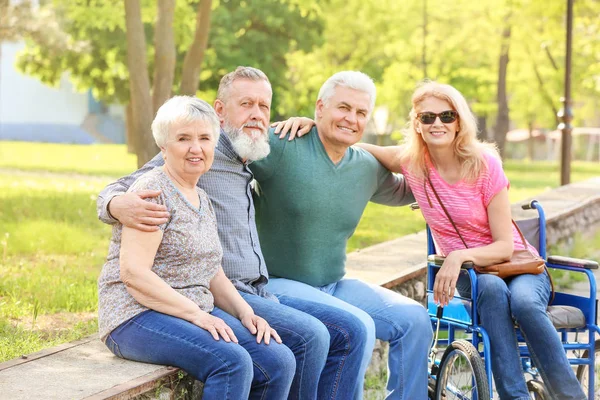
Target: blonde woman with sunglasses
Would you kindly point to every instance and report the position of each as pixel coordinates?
(442, 150)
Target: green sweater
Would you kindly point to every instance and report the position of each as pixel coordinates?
(307, 207)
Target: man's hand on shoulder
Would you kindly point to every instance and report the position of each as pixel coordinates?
(296, 126)
(133, 211)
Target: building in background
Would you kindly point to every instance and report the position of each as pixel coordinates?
(32, 111)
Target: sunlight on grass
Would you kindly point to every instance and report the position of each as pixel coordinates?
(16, 341)
(95, 159)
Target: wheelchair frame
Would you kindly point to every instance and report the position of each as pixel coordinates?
(479, 337)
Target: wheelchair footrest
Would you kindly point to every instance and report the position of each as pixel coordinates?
(566, 317)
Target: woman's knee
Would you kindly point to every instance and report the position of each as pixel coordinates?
(525, 306)
(276, 365)
(233, 366)
(492, 291)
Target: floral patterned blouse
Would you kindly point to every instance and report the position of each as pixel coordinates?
(187, 259)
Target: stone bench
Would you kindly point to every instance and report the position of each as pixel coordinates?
(85, 369)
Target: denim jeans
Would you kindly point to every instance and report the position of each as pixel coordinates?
(247, 370)
(388, 316)
(328, 344)
(523, 299)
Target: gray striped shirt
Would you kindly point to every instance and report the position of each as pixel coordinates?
(227, 184)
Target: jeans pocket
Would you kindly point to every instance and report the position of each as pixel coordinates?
(113, 346)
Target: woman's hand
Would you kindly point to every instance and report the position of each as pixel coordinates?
(259, 327)
(445, 280)
(297, 126)
(215, 326)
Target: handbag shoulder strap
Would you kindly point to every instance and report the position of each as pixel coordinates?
(454, 225)
(445, 211)
(520, 233)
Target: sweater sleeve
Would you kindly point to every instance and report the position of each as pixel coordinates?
(392, 189)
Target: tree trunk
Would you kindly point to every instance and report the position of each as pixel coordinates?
(139, 82)
(502, 119)
(130, 136)
(482, 133)
(164, 57)
(192, 63)
(548, 98)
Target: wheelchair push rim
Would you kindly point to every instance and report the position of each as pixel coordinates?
(462, 374)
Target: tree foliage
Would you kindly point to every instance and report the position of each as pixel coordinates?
(89, 42)
(400, 43)
(299, 43)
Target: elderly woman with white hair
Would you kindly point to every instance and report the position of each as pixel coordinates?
(163, 296)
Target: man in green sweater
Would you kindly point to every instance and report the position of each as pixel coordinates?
(310, 195)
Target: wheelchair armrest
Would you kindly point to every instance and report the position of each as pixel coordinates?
(438, 260)
(572, 262)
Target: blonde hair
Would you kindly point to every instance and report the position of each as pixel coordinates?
(469, 150)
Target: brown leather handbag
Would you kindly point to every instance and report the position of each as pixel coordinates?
(521, 262)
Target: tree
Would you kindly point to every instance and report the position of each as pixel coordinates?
(96, 56)
(502, 118)
(139, 81)
(195, 55)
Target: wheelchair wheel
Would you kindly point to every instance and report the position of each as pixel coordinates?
(537, 390)
(582, 372)
(462, 374)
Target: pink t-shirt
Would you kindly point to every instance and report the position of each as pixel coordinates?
(466, 203)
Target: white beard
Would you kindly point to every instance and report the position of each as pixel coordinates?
(248, 148)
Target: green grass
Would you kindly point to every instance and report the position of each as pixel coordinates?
(52, 246)
(51, 251)
(100, 159)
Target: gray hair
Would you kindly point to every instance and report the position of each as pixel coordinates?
(351, 79)
(250, 73)
(183, 109)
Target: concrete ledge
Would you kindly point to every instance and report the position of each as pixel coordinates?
(83, 369)
(569, 209)
(390, 263)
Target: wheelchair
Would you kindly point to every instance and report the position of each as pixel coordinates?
(464, 369)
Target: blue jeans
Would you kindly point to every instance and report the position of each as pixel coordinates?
(388, 316)
(328, 344)
(523, 299)
(247, 370)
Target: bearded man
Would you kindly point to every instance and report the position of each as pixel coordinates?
(328, 343)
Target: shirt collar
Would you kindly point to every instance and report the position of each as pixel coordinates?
(226, 146)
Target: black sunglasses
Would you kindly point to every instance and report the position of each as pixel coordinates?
(428, 118)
